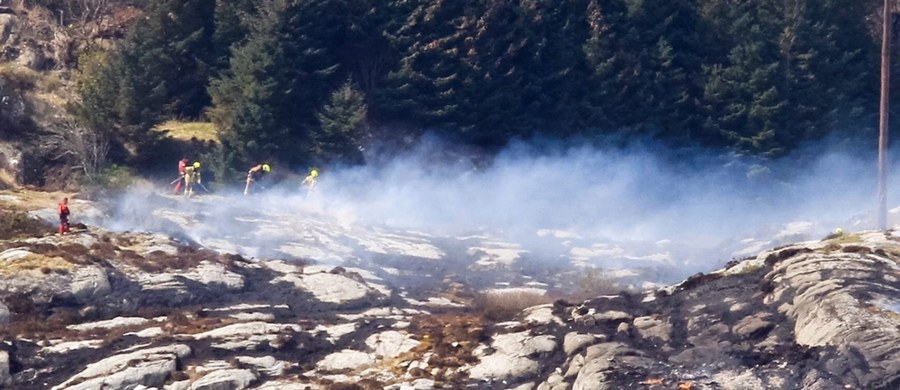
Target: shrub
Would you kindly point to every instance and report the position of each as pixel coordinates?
(19, 76)
(593, 283)
(116, 177)
(505, 305)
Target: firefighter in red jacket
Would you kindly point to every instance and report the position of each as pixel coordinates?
(180, 181)
(63, 209)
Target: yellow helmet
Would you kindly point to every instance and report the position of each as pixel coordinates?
(267, 168)
(314, 173)
(196, 164)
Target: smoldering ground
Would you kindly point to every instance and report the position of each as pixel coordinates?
(641, 206)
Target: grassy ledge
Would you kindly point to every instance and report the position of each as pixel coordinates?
(185, 131)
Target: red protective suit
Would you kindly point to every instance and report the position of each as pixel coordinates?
(181, 165)
(63, 209)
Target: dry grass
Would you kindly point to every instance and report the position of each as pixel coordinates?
(41, 326)
(187, 322)
(25, 77)
(505, 305)
(34, 262)
(844, 238)
(19, 76)
(6, 179)
(450, 338)
(15, 224)
(751, 268)
(35, 200)
(50, 82)
(186, 131)
(365, 384)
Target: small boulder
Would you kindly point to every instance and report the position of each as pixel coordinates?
(231, 379)
(574, 342)
(391, 344)
(89, 283)
(653, 327)
(347, 359)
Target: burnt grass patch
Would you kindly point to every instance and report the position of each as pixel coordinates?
(17, 224)
(784, 254)
(451, 338)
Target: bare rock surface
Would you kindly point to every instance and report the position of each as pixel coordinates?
(228, 379)
(97, 309)
(148, 367)
(5, 377)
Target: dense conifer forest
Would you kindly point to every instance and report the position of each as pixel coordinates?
(317, 81)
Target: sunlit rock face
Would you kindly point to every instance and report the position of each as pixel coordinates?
(315, 230)
(114, 309)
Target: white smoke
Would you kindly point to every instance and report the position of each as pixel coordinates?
(617, 207)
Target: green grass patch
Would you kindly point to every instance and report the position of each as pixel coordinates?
(186, 131)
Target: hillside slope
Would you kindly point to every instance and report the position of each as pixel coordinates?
(97, 308)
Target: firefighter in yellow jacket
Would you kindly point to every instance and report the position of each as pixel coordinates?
(191, 177)
(255, 174)
(310, 181)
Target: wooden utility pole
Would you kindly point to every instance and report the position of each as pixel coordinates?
(883, 120)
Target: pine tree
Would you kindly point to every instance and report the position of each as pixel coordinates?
(745, 99)
(343, 122)
(159, 70)
(827, 67)
(646, 58)
(231, 18)
(559, 80)
(427, 83)
(265, 104)
(171, 48)
(244, 104)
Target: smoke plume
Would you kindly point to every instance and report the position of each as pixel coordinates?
(610, 207)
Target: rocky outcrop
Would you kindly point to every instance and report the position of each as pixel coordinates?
(815, 315)
(96, 310)
(149, 367)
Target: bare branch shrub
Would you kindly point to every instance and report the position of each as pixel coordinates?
(13, 107)
(594, 282)
(86, 147)
(505, 305)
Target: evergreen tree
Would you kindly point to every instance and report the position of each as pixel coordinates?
(559, 77)
(493, 73)
(231, 18)
(171, 48)
(827, 64)
(159, 70)
(744, 96)
(429, 78)
(646, 57)
(343, 122)
(265, 104)
(492, 70)
(244, 105)
(117, 93)
(363, 45)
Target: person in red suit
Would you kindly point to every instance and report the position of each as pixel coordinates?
(63, 209)
(180, 181)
